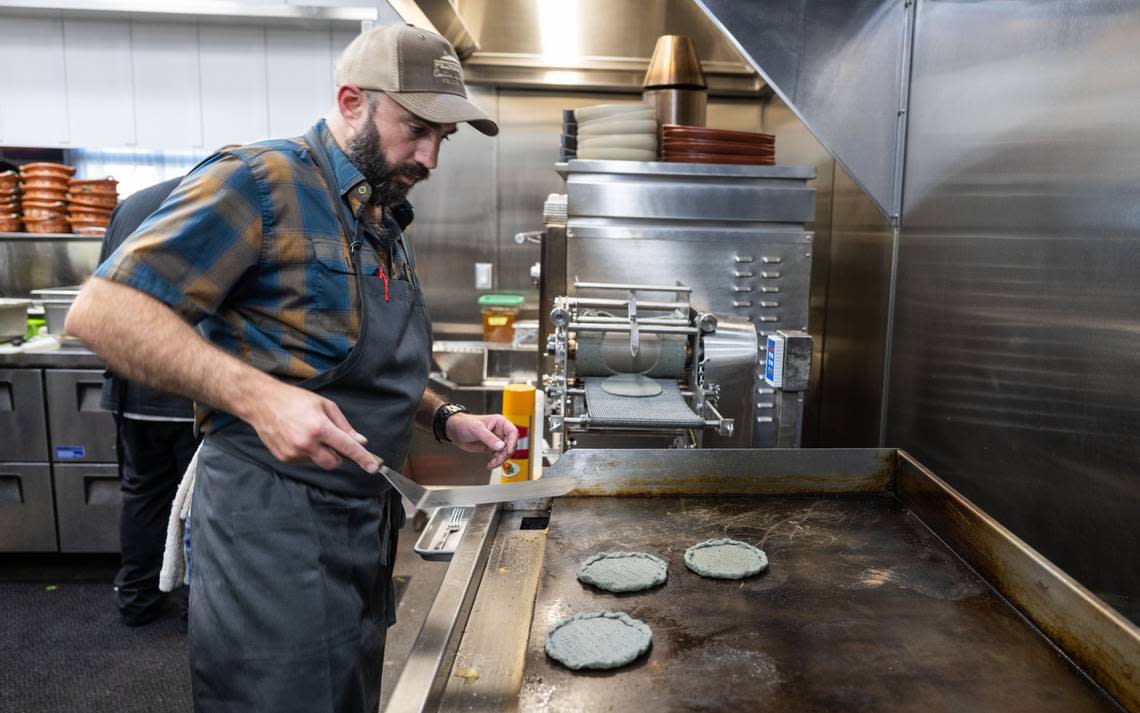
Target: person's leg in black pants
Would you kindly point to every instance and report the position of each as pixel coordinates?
(155, 455)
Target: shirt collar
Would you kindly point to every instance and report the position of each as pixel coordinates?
(350, 181)
(348, 177)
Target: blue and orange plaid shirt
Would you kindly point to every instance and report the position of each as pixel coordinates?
(248, 248)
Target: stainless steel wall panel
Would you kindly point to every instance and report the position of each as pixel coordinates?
(855, 327)
(528, 149)
(23, 421)
(837, 65)
(456, 224)
(80, 429)
(27, 511)
(1017, 334)
(88, 500)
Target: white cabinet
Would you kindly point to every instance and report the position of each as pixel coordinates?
(170, 85)
(100, 91)
(300, 79)
(168, 107)
(234, 104)
(33, 82)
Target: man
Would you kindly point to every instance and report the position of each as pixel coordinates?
(155, 440)
(290, 255)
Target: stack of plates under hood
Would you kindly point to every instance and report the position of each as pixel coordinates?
(694, 144)
(617, 132)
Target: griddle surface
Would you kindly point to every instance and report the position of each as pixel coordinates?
(861, 609)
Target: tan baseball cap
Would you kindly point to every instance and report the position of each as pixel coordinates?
(418, 69)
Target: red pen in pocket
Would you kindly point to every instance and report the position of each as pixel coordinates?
(380, 273)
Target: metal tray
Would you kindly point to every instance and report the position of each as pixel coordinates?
(438, 542)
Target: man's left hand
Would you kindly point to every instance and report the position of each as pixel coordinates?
(489, 433)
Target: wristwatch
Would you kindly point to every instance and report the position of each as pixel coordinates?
(439, 421)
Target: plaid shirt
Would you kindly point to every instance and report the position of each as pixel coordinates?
(249, 248)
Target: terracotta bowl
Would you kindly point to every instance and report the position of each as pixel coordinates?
(43, 166)
(95, 200)
(45, 195)
(96, 218)
(7, 225)
(81, 229)
(9, 207)
(10, 193)
(48, 182)
(725, 147)
(702, 134)
(718, 158)
(61, 205)
(37, 213)
(9, 181)
(94, 210)
(46, 226)
(94, 185)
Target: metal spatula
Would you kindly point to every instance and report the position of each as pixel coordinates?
(428, 500)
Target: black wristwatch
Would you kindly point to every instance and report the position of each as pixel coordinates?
(439, 422)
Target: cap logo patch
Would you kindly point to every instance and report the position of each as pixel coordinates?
(447, 70)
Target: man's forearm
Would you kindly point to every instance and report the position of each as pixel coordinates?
(429, 404)
(143, 340)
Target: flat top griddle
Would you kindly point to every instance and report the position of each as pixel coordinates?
(862, 609)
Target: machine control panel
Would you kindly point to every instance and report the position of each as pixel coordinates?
(787, 363)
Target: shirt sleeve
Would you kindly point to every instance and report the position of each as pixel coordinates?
(193, 251)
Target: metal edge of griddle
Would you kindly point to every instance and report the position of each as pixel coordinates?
(1097, 639)
(727, 471)
(422, 681)
(490, 659)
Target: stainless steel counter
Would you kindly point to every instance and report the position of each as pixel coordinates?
(67, 357)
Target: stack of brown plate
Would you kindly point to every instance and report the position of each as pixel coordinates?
(91, 203)
(10, 202)
(45, 197)
(695, 144)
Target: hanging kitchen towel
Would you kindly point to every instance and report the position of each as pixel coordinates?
(173, 571)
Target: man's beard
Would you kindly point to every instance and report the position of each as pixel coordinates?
(366, 153)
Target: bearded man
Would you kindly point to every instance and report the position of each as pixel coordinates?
(315, 344)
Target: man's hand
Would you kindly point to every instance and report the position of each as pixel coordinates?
(488, 434)
(297, 425)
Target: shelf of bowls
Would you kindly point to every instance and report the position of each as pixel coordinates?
(668, 125)
(47, 198)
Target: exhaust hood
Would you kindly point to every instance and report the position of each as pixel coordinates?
(584, 44)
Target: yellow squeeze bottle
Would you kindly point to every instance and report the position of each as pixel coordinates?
(518, 408)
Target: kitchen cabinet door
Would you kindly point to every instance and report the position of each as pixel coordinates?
(168, 105)
(23, 421)
(234, 105)
(80, 429)
(99, 93)
(299, 64)
(27, 511)
(33, 108)
(89, 504)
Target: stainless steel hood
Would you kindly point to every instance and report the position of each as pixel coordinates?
(841, 66)
(581, 44)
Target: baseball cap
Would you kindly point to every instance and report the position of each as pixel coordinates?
(418, 69)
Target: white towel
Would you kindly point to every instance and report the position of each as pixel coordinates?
(174, 556)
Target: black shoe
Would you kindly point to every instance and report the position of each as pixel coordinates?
(143, 616)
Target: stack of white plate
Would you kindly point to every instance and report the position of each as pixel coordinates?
(621, 132)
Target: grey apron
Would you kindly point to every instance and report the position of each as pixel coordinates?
(291, 595)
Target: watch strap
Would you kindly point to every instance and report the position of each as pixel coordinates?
(439, 421)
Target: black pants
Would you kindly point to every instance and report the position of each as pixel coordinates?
(155, 455)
